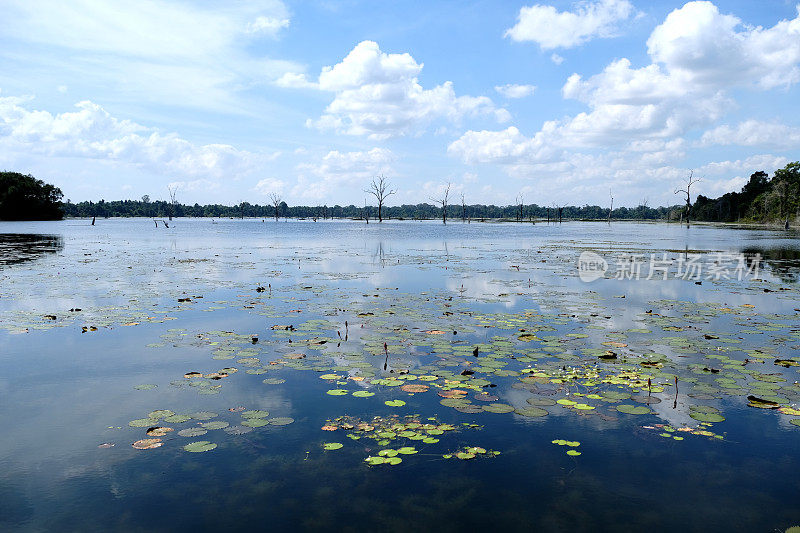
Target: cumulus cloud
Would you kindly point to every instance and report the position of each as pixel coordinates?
(91, 132)
(513, 90)
(551, 29)
(378, 95)
(699, 44)
(753, 133)
(338, 169)
(642, 114)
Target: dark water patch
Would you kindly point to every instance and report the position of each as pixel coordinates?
(22, 247)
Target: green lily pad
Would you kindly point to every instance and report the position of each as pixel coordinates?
(363, 394)
(255, 422)
(332, 445)
(395, 403)
(255, 413)
(633, 409)
(338, 392)
(143, 422)
(533, 412)
(281, 421)
(407, 450)
(498, 408)
(200, 446)
(192, 432)
(159, 414)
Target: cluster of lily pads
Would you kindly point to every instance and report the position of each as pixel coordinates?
(203, 422)
(394, 430)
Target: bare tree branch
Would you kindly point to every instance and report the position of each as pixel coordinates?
(690, 180)
(442, 201)
(275, 199)
(379, 188)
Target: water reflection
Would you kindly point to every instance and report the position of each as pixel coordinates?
(783, 262)
(22, 247)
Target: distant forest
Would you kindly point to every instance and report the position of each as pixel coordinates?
(762, 199)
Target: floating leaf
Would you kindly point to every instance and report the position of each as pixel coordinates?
(192, 432)
(498, 408)
(142, 422)
(395, 403)
(573, 452)
(281, 421)
(414, 387)
(200, 446)
(363, 394)
(147, 444)
(255, 413)
(158, 431)
(332, 445)
(338, 392)
(633, 409)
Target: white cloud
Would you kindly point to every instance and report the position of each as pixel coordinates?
(267, 186)
(513, 90)
(505, 146)
(557, 59)
(173, 53)
(267, 25)
(91, 132)
(379, 95)
(704, 47)
(551, 29)
(295, 80)
(753, 133)
(316, 181)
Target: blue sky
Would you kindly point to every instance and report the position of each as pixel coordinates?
(557, 102)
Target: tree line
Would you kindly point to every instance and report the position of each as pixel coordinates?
(422, 211)
(762, 199)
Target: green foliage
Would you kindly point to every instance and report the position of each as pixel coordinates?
(761, 199)
(26, 198)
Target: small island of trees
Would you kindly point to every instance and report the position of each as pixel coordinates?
(23, 197)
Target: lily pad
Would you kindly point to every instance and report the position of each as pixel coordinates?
(200, 446)
(395, 403)
(147, 444)
(633, 409)
(332, 445)
(192, 432)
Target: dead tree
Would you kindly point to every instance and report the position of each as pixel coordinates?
(442, 200)
(173, 191)
(690, 180)
(611, 209)
(379, 188)
(520, 204)
(366, 211)
(463, 209)
(275, 199)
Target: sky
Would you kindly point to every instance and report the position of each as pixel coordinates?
(557, 103)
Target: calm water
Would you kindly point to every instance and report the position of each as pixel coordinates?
(493, 343)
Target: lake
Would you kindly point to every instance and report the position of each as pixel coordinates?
(334, 375)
